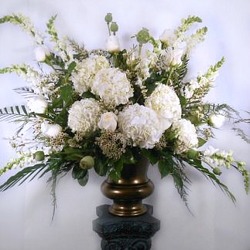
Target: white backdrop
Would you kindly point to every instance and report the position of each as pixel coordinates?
(217, 224)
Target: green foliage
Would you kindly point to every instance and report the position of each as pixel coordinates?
(115, 172)
(81, 175)
(166, 165)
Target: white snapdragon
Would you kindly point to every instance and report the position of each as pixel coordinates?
(216, 120)
(112, 44)
(186, 135)
(188, 89)
(86, 70)
(37, 105)
(41, 53)
(108, 121)
(210, 150)
(147, 61)
(50, 130)
(141, 125)
(112, 86)
(84, 116)
(166, 104)
(217, 158)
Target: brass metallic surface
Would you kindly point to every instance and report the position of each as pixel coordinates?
(128, 192)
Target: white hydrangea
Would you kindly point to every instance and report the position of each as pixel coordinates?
(112, 86)
(166, 104)
(84, 116)
(86, 70)
(141, 125)
(186, 135)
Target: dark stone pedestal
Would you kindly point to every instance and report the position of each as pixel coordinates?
(125, 233)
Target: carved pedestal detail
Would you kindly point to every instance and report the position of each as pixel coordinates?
(125, 233)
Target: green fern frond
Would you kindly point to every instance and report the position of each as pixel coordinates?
(180, 72)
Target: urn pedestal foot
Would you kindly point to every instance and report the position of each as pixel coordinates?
(125, 233)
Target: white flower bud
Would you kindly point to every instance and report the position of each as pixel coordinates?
(112, 44)
(50, 130)
(41, 53)
(216, 120)
(37, 104)
(108, 121)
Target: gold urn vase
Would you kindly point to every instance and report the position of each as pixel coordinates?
(128, 192)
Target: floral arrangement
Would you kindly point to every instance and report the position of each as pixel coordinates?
(101, 109)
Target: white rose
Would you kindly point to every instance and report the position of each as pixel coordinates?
(174, 55)
(216, 120)
(37, 104)
(41, 53)
(168, 36)
(112, 44)
(50, 130)
(108, 121)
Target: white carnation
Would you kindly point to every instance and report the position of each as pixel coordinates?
(112, 44)
(166, 104)
(50, 130)
(186, 135)
(85, 71)
(108, 121)
(37, 105)
(84, 116)
(141, 125)
(112, 86)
